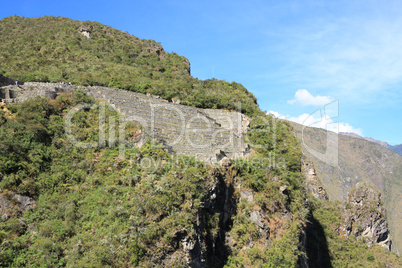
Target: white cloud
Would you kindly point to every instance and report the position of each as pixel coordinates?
(345, 127)
(305, 98)
(277, 115)
(308, 120)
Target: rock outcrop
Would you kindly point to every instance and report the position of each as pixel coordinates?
(86, 31)
(12, 204)
(203, 248)
(358, 161)
(313, 184)
(364, 216)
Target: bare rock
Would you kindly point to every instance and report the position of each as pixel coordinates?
(86, 31)
(313, 184)
(220, 155)
(247, 195)
(365, 216)
(259, 219)
(176, 100)
(225, 162)
(12, 204)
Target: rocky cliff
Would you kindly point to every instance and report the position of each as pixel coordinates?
(313, 184)
(13, 205)
(365, 216)
(358, 161)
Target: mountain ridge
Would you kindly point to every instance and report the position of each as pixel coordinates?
(395, 148)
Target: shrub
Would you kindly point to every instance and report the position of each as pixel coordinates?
(37, 77)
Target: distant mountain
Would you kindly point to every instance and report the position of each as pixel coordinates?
(396, 148)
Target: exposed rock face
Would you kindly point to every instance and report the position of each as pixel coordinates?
(270, 221)
(365, 216)
(207, 134)
(260, 219)
(247, 195)
(176, 101)
(257, 215)
(12, 204)
(158, 49)
(211, 248)
(314, 186)
(86, 31)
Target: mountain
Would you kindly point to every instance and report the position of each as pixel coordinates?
(85, 184)
(395, 148)
(359, 160)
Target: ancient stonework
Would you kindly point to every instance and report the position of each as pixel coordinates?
(207, 134)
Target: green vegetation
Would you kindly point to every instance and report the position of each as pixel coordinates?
(93, 208)
(52, 49)
(276, 163)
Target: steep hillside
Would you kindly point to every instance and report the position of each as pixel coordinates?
(55, 49)
(121, 198)
(359, 161)
(397, 149)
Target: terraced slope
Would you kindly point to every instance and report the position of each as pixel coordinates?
(206, 134)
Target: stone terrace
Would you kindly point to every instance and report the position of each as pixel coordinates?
(207, 134)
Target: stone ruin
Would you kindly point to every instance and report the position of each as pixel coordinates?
(207, 134)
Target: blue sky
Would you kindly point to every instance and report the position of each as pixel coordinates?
(293, 55)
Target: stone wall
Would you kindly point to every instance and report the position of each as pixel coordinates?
(207, 134)
(8, 94)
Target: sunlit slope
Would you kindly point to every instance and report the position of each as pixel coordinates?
(359, 160)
